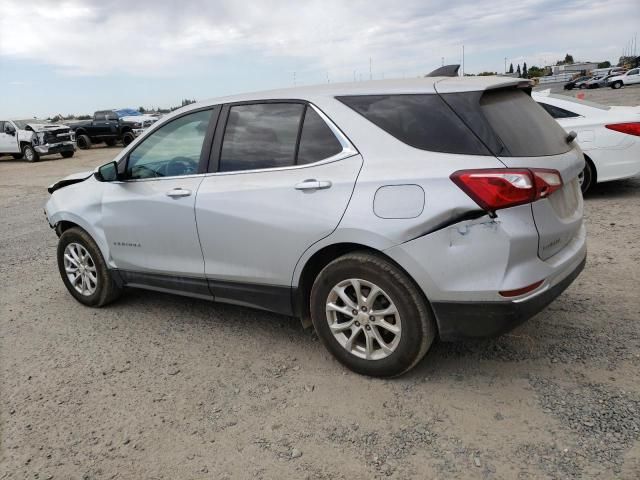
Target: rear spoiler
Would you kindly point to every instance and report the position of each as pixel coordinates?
(478, 84)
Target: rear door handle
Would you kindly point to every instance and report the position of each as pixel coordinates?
(178, 192)
(313, 184)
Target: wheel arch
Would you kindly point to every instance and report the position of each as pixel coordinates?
(320, 259)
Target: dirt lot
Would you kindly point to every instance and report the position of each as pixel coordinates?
(162, 387)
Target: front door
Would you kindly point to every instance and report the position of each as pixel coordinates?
(8, 138)
(284, 178)
(149, 218)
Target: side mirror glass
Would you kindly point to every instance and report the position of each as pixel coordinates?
(107, 172)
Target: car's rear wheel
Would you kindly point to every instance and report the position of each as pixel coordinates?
(29, 153)
(370, 315)
(67, 154)
(583, 86)
(84, 142)
(617, 84)
(586, 177)
(83, 270)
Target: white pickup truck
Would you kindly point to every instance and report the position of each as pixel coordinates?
(30, 139)
(632, 77)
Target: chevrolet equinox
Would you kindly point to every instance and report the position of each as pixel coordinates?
(386, 213)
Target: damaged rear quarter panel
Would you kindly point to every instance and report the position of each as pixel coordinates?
(474, 259)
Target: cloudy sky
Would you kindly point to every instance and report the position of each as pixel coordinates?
(79, 56)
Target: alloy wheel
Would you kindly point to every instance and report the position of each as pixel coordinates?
(80, 269)
(363, 319)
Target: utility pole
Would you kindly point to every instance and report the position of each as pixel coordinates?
(443, 61)
(294, 79)
(463, 59)
(505, 64)
(370, 71)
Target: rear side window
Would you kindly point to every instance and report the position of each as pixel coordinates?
(422, 121)
(557, 112)
(262, 135)
(317, 141)
(522, 126)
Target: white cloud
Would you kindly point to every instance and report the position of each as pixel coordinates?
(153, 38)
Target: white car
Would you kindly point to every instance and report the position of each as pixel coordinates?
(608, 136)
(632, 77)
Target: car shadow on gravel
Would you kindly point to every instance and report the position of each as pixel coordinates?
(617, 189)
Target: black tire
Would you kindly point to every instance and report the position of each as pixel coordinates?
(617, 84)
(127, 138)
(110, 142)
(106, 290)
(418, 328)
(17, 156)
(29, 153)
(583, 86)
(589, 177)
(83, 142)
(67, 154)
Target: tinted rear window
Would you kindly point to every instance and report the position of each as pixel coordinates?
(522, 125)
(422, 121)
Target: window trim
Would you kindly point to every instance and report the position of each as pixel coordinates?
(348, 149)
(573, 114)
(204, 151)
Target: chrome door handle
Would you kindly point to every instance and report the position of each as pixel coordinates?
(313, 184)
(178, 192)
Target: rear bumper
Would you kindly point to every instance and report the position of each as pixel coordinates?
(464, 320)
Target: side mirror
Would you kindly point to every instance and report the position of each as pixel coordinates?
(10, 131)
(107, 172)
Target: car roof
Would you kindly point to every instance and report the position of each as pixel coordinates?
(422, 85)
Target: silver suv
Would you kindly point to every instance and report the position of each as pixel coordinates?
(387, 213)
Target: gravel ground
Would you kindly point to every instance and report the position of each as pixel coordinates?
(162, 387)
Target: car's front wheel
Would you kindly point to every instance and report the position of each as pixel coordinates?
(29, 153)
(370, 315)
(67, 154)
(83, 141)
(616, 84)
(83, 270)
(127, 138)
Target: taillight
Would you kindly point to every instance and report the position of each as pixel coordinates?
(631, 128)
(493, 189)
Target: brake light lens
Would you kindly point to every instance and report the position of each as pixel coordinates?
(631, 128)
(493, 189)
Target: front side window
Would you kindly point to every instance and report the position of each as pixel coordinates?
(262, 135)
(172, 150)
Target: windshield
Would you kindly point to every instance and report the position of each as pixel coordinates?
(127, 112)
(21, 124)
(579, 102)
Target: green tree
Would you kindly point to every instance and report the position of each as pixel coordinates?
(519, 72)
(525, 74)
(568, 59)
(535, 71)
(511, 68)
(141, 110)
(605, 64)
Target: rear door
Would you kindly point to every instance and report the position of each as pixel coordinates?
(522, 135)
(282, 178)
